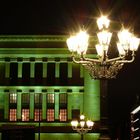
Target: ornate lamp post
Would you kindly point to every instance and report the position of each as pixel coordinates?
(103, 65)
(82, 126)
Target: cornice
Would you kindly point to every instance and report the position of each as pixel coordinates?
(37, 46)
(33, 38)
(37, 38)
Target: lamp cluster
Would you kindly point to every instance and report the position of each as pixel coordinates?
(102, 66)
(82, 126)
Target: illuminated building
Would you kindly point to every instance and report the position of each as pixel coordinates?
(42, 90)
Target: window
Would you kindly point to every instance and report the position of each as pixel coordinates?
(50, 73)
(12, 106)
(63, 107)
(13, 116)
(63, 98)
(76, 80)
(50, 114)
(50, 98)
(25, 106)
(13, 98)
(50, 107)
(38, 115)
(25, 98)
(75, 114)
(63, 115)
(63, 73)
(13, 73)
(38, 73)
(25, 114)
(26, 73)
(3, 72)
(38, 107)
(38, 98)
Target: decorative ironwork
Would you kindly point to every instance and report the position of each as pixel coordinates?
(103, 66)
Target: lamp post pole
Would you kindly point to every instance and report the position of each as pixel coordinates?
(82, 137)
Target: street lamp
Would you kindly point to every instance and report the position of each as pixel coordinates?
(82, 126)
(103, 65)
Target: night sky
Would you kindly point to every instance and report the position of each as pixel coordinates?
(62, 16)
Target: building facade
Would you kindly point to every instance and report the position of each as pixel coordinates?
(42, 90)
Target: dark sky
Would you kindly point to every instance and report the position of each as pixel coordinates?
(61, 16)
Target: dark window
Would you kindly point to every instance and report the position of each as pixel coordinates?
(51, 73)
(63, 73)
(2, 72)
(76, 80)
(38, 73)
(13, 73)
(75, 71)
(26, 73)
(13, 70)
(38, 99)
(25, 98)
(63, 100)
(75, 114)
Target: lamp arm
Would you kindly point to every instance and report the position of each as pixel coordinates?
(115, 59)
(74, 128)
(91, 60)
(127, 61)
(81, 61)
(82, 131)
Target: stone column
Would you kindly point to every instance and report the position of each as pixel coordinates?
(91, 97)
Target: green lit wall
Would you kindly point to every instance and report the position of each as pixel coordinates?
(67, 136)
(91, 97)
